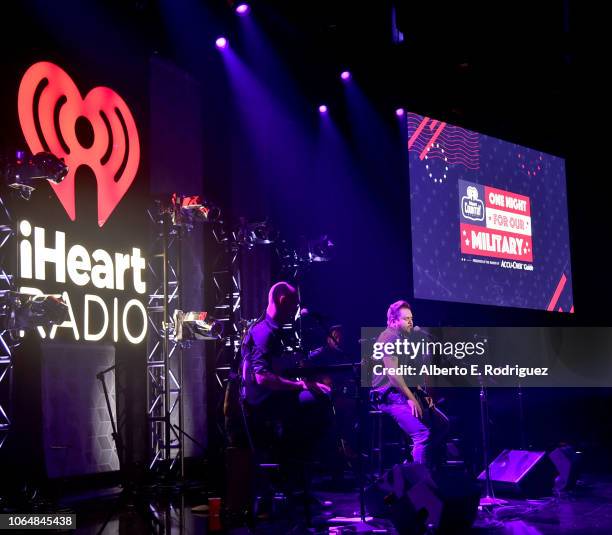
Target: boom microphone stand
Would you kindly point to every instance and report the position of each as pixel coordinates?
(128, 494)
(489, 499)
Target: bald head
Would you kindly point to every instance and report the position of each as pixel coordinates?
(282, 302)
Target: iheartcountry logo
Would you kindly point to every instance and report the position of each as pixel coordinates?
(49, 107)
(471, 206)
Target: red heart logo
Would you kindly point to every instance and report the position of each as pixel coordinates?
(49, 105)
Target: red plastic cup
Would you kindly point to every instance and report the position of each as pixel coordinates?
(214, 506)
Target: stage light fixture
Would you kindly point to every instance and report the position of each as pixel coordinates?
(288, 256)
(196, 326)
(243, 9)
(21, 311)
(345, 75)
(307, 253)
(320, 250)
(399, 112)
(187, 210)
(195, 208)
(221, 43)
(322, 108)
(23, 171)
(258, 233)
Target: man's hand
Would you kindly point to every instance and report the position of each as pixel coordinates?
(318, 388)
(415, 408)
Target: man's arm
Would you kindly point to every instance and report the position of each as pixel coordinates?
(261, 360)
(276, 382)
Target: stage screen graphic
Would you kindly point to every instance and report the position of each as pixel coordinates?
(489, 220)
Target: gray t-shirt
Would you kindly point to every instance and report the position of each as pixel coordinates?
(381, 383)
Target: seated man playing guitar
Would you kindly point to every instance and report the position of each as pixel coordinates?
(412, 409)
(267, 394)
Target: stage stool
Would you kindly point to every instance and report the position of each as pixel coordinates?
(251, 485)
(267, 470)
(454, 458)
(277, 498)
(378, 443)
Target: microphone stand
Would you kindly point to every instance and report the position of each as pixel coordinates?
(115, 435)
(521, 407)
(128, 495)
(489, 499)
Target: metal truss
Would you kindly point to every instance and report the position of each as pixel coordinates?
(228, 307)
(167, 517)
(7, 342)
(164, 362)
(164, 355)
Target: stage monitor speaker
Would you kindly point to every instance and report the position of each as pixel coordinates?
(521, 472)
(417, 502)
(567, 464)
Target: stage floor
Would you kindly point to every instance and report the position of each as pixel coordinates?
(587, 510)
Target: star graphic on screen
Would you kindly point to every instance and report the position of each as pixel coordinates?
(431, 167)
(467, 242)
(526, 249)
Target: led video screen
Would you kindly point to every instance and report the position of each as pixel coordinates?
(489, 220)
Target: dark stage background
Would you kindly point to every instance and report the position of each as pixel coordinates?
(241, 126)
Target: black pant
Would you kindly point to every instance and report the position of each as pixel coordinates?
(289, 425)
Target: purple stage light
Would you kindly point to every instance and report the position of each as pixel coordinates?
(322, 108)
(399, 112)
(345, 75)
(221, 43)
(242, 9)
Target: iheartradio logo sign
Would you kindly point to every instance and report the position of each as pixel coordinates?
(50, 106)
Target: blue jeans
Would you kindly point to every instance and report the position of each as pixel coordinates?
(427, 434)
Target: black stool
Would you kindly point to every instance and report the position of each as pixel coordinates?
(267, 468)
(378, 443)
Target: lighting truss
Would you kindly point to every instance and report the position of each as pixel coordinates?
(164, 363)
(7, 341)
